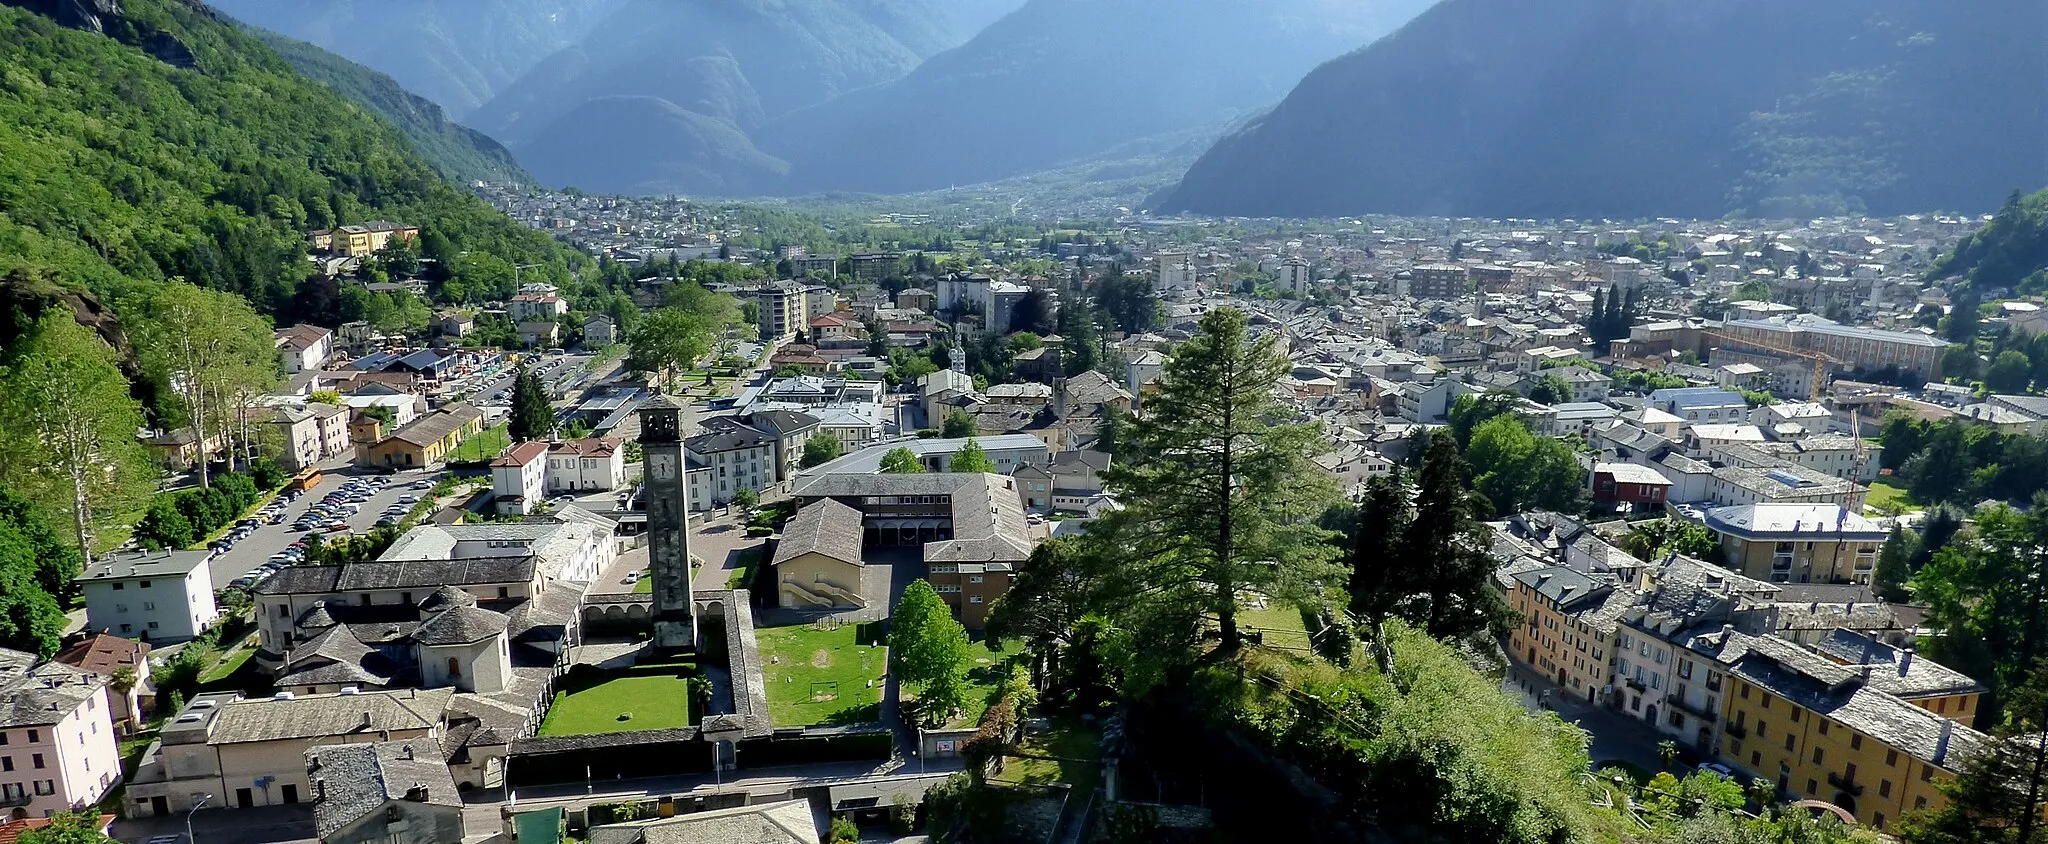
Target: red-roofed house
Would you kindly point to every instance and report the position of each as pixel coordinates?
(106, 654)
(519, 478)
(592, 463)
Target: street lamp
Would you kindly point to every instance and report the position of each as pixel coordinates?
(196, 806)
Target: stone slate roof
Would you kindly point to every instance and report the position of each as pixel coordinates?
(461, 626)
(33, 695)
(399, 574)
(824, 527)
(358, 779)
(787, 822)
(1892, 670)
(446, 597)
(1841, 694)
(328, 715)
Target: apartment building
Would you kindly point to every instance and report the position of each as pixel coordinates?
(1434, 281)
(1734, 485)
(57, 742)
(725, 459)
(784, 310)
(1797, 543)
(156, 596)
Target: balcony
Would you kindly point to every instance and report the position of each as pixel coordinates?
(1736, 731)
(1852, 787)
(1636, 684)
(1701, 713)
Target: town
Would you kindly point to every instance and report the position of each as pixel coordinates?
(647, 553)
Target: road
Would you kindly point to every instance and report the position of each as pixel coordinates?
(1614, 735)
(257, 547)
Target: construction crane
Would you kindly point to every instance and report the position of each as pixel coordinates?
(1819, 360)
(1820, 363)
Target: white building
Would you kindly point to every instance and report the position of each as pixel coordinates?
(1293, 274)
(155, 596)
(722, 462)
(304, 348)
(519, 478)
(57, 742)
(592, 463)
(1176, 270)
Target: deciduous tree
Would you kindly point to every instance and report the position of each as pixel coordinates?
(68, 427)
(971, 458)
(821, 448)
(929, 649)
(901, 461)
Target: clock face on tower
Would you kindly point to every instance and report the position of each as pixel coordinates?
(662, 466)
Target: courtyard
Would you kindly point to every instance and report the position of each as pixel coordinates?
(619, 704)
(823, 673)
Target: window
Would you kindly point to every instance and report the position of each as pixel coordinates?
(1818, 753)
(1767, 701)
(152, 625)
(1891, 758)
(1812, 787)
(142, 585)
(6, 763)
(37, 761)
(1855, 741)
(1823, 723)
(284, 611)
(118, 586)
(454, 667)
(1879, 820)
(1795, 715)
(46, 787)
(974, 599)
(1884, 788)
(1790, 740)
(127, 628)
(1744, 690)
(1926, 773)
(1920, 802)
(1941, 705)
(366, 600)
(1756, 758)
(504, 592)
(1685, 669)
(35, 736)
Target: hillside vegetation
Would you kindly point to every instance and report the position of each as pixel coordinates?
(2010, 252)
(455, 151)
(1637, 108)
(120, 169)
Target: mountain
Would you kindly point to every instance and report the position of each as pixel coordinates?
(456, 151)
(706, 73)
(2009, 252)
(1060, 80)
(458, 53)
(152, 139)
(1632, 108)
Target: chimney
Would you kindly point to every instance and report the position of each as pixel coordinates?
(405, 751)
(1948, 730)
(367, 721)
(1905, 661)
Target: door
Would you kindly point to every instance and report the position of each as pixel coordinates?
(244, 798)
(291, 793)
(159, 806)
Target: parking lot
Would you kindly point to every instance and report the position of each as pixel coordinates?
(560, 373)
(268, 539)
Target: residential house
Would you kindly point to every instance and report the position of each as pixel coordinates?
(157, 596)
(727, 458)
(1700, 405)
(304, 348)
(600, 331)
(591, 463)
(383, 792)
(57, 741)
(1629, 486)
(537, 303)
(1797, 542)
(519, 478)
(108, 655)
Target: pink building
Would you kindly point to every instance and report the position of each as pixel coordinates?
(57, 744)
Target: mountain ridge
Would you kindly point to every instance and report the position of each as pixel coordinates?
(1618, 108)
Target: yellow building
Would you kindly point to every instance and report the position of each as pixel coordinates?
(1567, 629)
(424, 443)
(1797, 543)
(818, 561)
(1826, 731)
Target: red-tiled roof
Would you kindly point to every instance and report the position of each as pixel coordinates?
(102, 653)
(522, 454)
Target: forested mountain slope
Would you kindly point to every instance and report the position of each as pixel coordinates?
(161, 141)
(458, 53)
(456, 151)
(2010, 252)
(1630, 108)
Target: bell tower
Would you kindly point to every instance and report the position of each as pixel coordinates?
(668, 524)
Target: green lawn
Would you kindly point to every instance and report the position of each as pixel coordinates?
(1073, 748)
(645, 585)
(227, 666)
(818, 676)
(652, 702)
(1280, 622)
(484, 445)
(1885, 493)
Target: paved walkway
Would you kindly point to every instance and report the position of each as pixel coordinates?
(261, 825)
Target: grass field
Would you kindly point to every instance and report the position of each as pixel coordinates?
(1280, 622)
(1073, 747)
(1885, 493)
(484, 445)
(653, 702)
(645, 585)
(818, 676)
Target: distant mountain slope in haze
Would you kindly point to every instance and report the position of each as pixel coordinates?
(1059, 80)
(670, 148)
(455, 52)
(731, 62)
(1627, 108)
(457, 151)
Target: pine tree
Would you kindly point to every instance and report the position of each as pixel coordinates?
(533, 417)
(1226, 498)
(1596, 323)
(1380, 579)
(2002, 789)
(1892, 566)
(1445, 546)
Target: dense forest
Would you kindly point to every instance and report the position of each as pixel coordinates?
(176, 146)
(455, 151)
